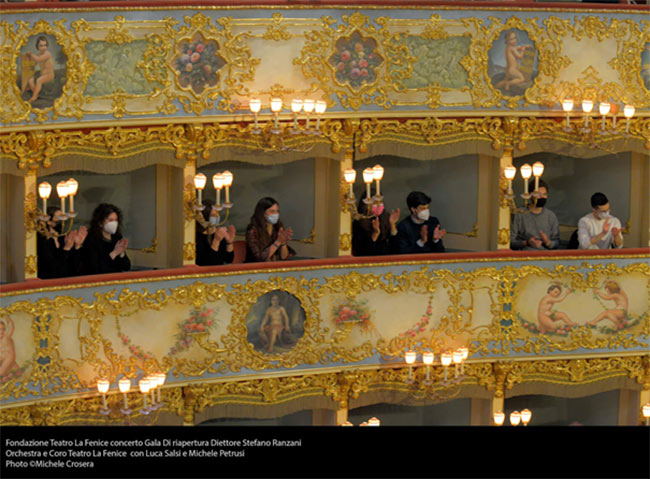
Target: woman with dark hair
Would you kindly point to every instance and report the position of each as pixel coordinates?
(58, 255)
(266, 238)
(214, 244)
(376, 233)
(105, 249)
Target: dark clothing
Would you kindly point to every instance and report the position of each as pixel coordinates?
(206, 256)
(408, 234)
(97, 259)
(56, 262)
(363, 245)
(257, 249)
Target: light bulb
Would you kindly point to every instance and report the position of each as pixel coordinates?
(427, 358)
(73, 186)
(409, 356)
(276, 105)
(457, 357)
(499, 417)
(628, 111)
(218, 180)
(321, 106)
(515, 418)
(350, 175)
(103, 385)
(199, 181)
(509, 172)
(538, 169)
(368, 175)
(62, 189)
(227, 178)
(567, 105)
(255, 104)
(526, 171)
(309, 105)
(144, 385)
(587, 106)
(161, 378)
(464, 351)
(296, 105)
(526, 416)
(124, 385)
(604, 108)
(446, 358)
(373, 421)
(378, 171)
(44, 190)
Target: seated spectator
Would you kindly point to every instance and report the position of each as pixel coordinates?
(599, 229)
(537, 229)
(58, 256)
(266, 237)
(377, 235)
(105, 249)
(419, 232)
(214, 244)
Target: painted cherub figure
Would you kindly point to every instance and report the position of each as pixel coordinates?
(44, 60)
(547, 319)
(618, 313)
(7, 348)
(274, 324)
(513, 53)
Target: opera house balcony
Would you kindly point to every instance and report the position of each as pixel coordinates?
(147, 148)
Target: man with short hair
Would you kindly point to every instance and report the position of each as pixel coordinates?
(599, 229)
(420, 232)
(538, 228)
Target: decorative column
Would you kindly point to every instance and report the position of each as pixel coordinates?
(189, 224)
(30, 206)
(345, 218)
(503, 218)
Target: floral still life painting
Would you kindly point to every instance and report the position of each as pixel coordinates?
(198, 63)
(354, 312)
(356, 61)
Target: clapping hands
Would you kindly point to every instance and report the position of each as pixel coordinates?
(120, 247)
(284, 236)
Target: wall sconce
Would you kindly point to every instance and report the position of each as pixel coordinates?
(200, 181)
(308, 106)
(587, 107)
(409, 357)
(628, 112)
(219, 181)
(65, 189)
(604, 109)
(255, 104)
(376, 173)
(509, 172)
(102, 386)
(276, 108)
(567, 106)
(427, 359)
(125, 386)
(145, 386)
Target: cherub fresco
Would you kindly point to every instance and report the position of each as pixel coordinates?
(548, 319)
(618, 314)
(518, 73)
(8, 365)
(42, 71)
(275, 322)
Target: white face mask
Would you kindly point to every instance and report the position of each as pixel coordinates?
(424, 215)
(111, 227)
(273, 219)
(603, 215)
(214, 220)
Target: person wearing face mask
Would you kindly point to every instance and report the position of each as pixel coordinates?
(58, 256)
(538, 228)
(420, 232)
(214, 244)
(599, 229)
(376, 235)
(105, 248)
(266, 237)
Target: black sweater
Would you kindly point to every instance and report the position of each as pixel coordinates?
(56, 262)
(97, 259)
(408, 233)
(206, 256)
(363, 245)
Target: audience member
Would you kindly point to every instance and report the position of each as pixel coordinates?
(419, 232)
(266, 237)
(375, 235)
(538, 228)
(214, 244)
(58, 255)
(599, 229)
(105, 249)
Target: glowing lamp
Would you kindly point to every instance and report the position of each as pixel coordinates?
(409, 357)
(526, 416)
(125, 385)
(350, 175)
(276, 105)
(296, 105)
(199, 181)
(628, 111)
(499, 417)
(255, 104)
(427, 358)
(309, 106)
(526, 171)
(509, 172)
(604, 108)
(44, 191)
(321, 106)
(515, 418)
(567, 105)
(373, 421)
(103, 385)
(587, 106)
